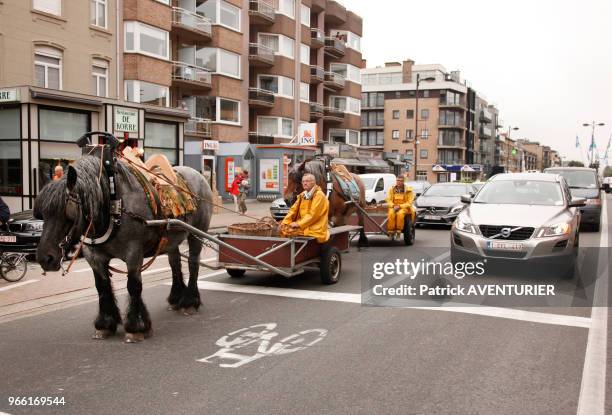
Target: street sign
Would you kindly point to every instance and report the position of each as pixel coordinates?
(126, 120)
(307, 134)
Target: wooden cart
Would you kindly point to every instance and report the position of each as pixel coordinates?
(376, 224)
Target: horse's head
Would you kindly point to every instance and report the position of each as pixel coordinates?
(60, 205)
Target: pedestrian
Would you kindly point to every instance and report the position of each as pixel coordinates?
(234, 191)
(243, 189)
(58, 172)
(5, 213)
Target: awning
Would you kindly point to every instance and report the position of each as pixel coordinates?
(378, 163)
(350, 162)
(438, 168)
(397, 162)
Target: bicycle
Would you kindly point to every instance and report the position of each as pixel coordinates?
(13, 266)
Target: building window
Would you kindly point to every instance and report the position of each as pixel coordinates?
(229, 111)
(410, 114)
(424, 153)
(279, 85)
(426, 93)
(346, 104)
(280, 44)
(352, 40)
(287, 7)
(424, 114)
(99, 78)
(161, 138)
(147, 93)
(424, 134)
(98, 13)
(48, 67)
(396, 114)
(10, 152)
(48, 6)
(395, 134)
(275, 126)
(421, 175)
(145, 39)
(348, 72)
(220, 13)
(408, 134)
(305, 54)
(409, 154)
(351, 137)
(56, 125)
(219, 61)
(305, 15)
(304, 92)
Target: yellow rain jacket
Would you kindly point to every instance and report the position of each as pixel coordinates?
(311, 215)
(395, 221)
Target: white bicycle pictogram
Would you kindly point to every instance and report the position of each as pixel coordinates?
(258, 338)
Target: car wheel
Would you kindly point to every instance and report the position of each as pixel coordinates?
(409, 231)
(331, 265)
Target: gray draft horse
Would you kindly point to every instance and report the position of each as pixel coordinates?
(131, 241)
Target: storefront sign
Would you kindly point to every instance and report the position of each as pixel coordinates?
(269, 175)
(126, 120)
(9, 95)
(210, 145)
(307, 134)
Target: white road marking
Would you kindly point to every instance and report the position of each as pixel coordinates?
(88, 269)
(592, 396)
(17, 284)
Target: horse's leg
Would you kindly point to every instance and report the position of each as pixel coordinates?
(363, 239)
(190, 301)
(108, 313)
(178, 285)
(137, 321)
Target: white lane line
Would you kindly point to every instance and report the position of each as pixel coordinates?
(498, 312)
(88, 269)
(592, 397)
(17, 284)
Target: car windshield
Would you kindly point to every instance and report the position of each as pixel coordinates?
(583, 179)
(368, 182)
(521, 192)
(446, 190)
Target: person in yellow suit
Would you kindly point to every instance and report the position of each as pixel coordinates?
(308, 215)
(399, 200)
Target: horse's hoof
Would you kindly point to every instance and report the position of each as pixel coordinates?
(101, 334)
(189, 311)
(134, 337)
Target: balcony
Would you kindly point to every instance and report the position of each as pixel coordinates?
(449, 123)
(449, 103)
(261, 12)
(485, 132)
(334, 81)
(191, 77)
(317, 74)
(199, 127)
(316, 111)
(257, 137)
(334, 47)
(332, 114)
(454, 143)
(260, 55)
(261, 98)
(317, 38)
(485, 115)
(191, 26)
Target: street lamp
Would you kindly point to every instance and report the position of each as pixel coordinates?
(592, 125)
(416, 120)
(508, 155)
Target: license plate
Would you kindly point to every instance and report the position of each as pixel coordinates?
(505, 246)
(8, 238)
(431, 217)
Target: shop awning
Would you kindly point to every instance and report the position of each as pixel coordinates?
(350, 162)
(377, 163)
(396, 162)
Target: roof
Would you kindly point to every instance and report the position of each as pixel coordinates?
(541, 177)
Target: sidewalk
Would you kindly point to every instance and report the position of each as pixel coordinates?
(225, 217)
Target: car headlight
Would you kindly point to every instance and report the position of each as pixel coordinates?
(555, 230)
(279, 204)
(33, 226)
(456, 209)
(465, 226)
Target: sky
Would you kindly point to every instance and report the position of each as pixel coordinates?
(546, 64)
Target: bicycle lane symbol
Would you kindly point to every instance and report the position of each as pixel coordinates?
(252, 343)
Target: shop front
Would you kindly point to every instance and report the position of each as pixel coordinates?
(457, 172)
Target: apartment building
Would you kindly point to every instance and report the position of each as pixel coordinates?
(178, 77)
(445, 131)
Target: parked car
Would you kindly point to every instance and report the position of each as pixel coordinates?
(584, 182)
(526, 217)
(21, 234)
(377, 186)
(441, 203)
(418, 187)
(279, 209)
(608, 181)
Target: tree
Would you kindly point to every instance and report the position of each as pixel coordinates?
(575, 163)
(607, 171)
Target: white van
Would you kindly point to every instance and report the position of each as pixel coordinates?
(377, 186)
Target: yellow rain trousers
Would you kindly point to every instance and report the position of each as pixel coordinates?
(395, 222)
(311, 215)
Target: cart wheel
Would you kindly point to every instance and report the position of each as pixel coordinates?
(409, 231)
(235, 272)
(13, 267)
(331, 265)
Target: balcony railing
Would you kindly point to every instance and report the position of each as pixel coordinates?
(260, 54)
(335, 47)
(442, 122)
(316, 110)
(261, 12)
(190, 73)
(317, 74)
(198, 126)
(486, 131)
(450, 142)
(261, 97)
(444, 102)
(333, 114)
(317, 38)
(485, 115)
(260, 137)
(191, 21)
(334, 80)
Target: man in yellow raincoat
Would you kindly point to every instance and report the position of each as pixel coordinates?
(308, 215)
(399, 200)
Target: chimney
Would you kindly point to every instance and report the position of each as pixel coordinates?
(407, 71)
(390, 64)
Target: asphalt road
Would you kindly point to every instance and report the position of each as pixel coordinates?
(265, 345)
